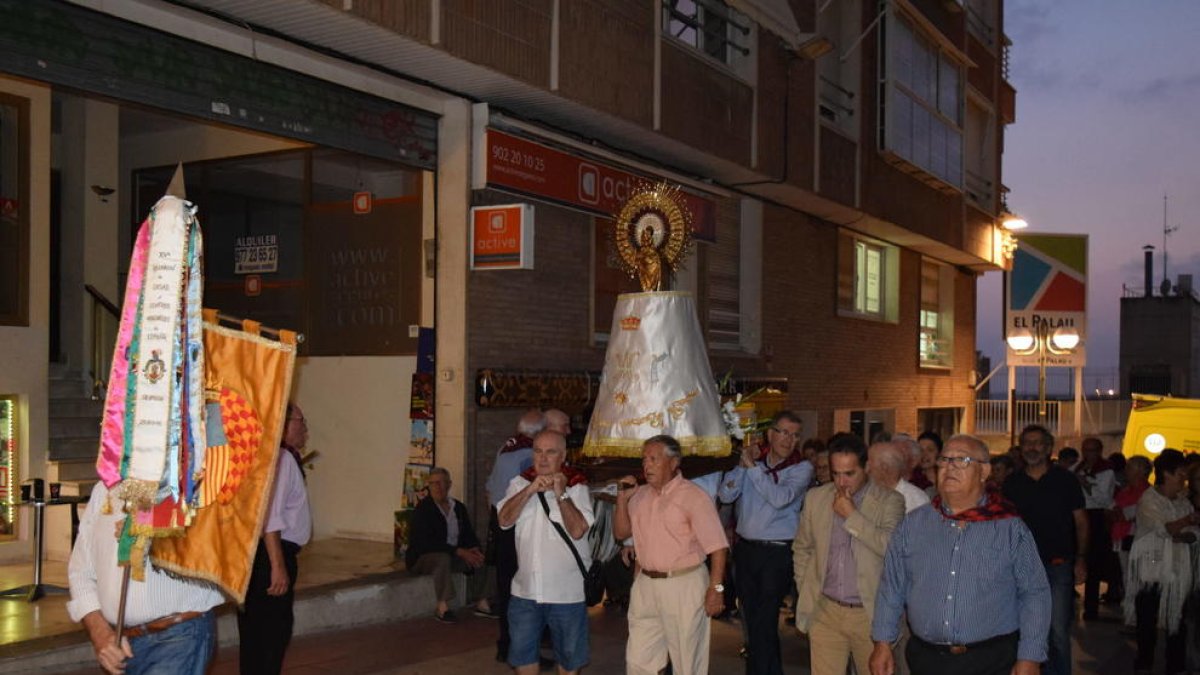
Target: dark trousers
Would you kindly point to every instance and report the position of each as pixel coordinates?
(505, 559)
(1099, 567)
(995, 656)
(1145, 606)
(265, 621)
(764, 574)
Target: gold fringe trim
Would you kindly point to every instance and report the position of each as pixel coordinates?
(138, 495)
(699, 446)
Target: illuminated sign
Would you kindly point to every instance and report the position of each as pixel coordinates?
(502, 237)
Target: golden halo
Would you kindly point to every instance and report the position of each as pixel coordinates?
(661, 209)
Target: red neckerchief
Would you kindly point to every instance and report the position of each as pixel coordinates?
(574, 476)
(518, 442)
(995, 507)
(773, 471)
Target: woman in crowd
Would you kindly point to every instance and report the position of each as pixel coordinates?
(1125, 501)
(1160, 563)
(925, 475)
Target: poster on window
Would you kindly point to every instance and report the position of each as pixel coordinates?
(421, 407)
(255, 254)
(416, 481)
(400, 532)
(420, 450)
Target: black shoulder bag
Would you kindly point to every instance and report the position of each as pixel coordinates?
(593, 579)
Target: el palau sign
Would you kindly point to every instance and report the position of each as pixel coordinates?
(1047, 291)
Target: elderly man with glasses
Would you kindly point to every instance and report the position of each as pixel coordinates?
(768, 486)
(967, 571)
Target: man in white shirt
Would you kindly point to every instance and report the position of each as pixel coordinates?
(889, 465)
(1098, 481)
(547, 590)
(170, 626)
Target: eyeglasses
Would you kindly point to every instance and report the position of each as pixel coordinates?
(959, 462)
(785, 432)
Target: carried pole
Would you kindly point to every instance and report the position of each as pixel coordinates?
(121, 607)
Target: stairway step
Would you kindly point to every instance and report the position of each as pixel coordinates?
(74, 427)
(75, 407)
(81, 471)
(364, 601)
(69, 388)
(80, 448)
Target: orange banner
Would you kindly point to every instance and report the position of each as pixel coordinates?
(247, 382)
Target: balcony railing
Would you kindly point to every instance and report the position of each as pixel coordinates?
(991, 416)
(1100, 416)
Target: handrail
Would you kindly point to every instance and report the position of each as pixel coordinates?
(102, 300)
(101, 344)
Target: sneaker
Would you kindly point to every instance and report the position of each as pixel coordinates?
(447, 617)
(486, 612)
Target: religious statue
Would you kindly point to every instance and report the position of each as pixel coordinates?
(652, 232)
(657, 379)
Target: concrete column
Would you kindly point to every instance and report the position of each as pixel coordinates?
(454, 384)
(89, 151)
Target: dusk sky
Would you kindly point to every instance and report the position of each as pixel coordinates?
(1108, 103)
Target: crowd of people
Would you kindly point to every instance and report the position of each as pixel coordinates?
(907, 555)
(912, 554)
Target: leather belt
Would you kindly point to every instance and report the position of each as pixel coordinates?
(673, 573)
(768, 542)
(848, 605)
(958, 650)
(159, 625)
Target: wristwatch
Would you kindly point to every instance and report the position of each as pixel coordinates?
(720, 588)
(564, 497)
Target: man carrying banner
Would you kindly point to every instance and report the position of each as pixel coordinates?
(171, 627)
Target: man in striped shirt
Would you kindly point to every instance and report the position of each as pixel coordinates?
(169, 622)
(967, 570)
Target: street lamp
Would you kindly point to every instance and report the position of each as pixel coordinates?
(1043, 341)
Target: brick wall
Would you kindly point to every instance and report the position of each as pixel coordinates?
(606, 56)
(509, 36)
(535, 319)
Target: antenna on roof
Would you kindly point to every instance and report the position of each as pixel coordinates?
(1166, 231)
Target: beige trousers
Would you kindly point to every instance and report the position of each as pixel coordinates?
(835, 634)
(667, 618)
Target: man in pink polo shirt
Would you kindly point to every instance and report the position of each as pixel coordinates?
(675, 527)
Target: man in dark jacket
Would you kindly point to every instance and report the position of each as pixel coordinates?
(442, 541)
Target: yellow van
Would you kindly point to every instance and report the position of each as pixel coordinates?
(1159, 422)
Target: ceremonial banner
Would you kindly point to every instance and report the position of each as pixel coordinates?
(247, 381)
(656, 381)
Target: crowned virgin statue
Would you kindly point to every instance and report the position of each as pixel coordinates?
(657, 379)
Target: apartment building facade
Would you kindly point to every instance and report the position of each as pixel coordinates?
(841, 160)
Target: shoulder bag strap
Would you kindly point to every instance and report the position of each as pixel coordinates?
(563, 533)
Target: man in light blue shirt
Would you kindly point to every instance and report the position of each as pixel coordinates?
(768, 485)
(967, 570)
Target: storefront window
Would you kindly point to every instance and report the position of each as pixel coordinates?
(324, 242)
(14, 211)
